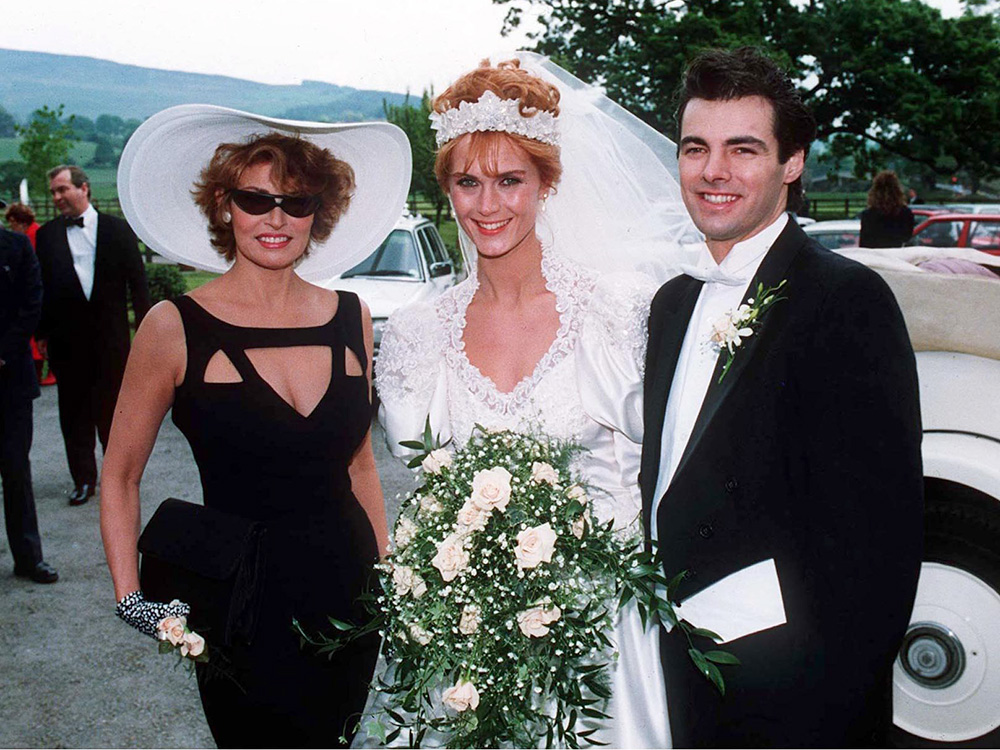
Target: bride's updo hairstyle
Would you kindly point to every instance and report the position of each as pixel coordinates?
(508, 81)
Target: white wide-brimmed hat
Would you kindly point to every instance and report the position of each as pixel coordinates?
(165, 156)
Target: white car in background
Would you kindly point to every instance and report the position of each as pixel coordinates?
(412, 264)
(836, 234)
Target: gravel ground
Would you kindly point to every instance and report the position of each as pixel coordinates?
(71, 673)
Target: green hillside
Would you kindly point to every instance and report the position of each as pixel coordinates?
(92, 87)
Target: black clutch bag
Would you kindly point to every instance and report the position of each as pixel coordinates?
(213, 561)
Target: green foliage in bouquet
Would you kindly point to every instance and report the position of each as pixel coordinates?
(498, 598)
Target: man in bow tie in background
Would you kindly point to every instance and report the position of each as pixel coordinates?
(781, 460)
(90, 266)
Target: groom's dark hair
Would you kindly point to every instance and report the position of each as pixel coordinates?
(718, 74)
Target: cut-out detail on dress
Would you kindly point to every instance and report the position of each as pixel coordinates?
(220, 369)
(352, 365)
(273, 368)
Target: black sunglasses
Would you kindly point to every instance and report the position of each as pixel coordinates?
(256, 204)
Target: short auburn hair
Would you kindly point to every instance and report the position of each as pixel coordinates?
(20, 213)
(508, 81)
(297, 165)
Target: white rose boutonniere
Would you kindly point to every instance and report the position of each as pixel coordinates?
(729, 331)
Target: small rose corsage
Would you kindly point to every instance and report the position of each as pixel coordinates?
(174, 635)
(729, 330)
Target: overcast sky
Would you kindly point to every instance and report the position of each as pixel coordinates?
(389, 45)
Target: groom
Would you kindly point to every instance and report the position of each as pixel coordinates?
(785, 478)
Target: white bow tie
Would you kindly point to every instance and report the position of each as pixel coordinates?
(713, 275)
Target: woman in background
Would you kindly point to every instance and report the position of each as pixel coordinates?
(888, 221)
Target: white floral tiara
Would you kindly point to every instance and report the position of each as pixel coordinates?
(491, 113)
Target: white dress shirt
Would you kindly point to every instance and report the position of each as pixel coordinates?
(83, 246)
(719, 607)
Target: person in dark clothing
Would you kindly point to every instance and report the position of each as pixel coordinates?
(20, 306)
(91, 266)
(887, 222)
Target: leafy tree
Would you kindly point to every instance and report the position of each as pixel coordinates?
(83, 128)
(45, 142)
(104, 154)
(415, 123)
(109, 125)
(8, 125)
(883, 77)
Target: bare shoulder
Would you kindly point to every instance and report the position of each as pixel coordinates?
(162, 323)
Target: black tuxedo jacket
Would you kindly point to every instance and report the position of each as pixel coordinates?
(78, 329)
(20, 308)
(808, 452)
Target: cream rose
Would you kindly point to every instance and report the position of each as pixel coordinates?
(407, 581)
(471, 518)
(172, 629)
(535, 622)
(436, 460)
(451, 558)
(543, 472)
(576, 492)
(193, 645)
(430, 504)
(469, 622)
(405, 531)
(535, 546)
(461, 696)
(420, 635)
(491, 489)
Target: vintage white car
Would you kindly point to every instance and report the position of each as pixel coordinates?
(947, 676)
(411, 264)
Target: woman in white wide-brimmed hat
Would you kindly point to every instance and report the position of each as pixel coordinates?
(268, 376)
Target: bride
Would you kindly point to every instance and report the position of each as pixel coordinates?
(558, 190)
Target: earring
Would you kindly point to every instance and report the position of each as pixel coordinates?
(226, 217)
(545, 202)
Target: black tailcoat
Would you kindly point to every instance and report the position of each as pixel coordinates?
(808, 452)
(89, 339)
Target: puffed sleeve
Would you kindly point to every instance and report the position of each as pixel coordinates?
(410, 377)
(611, 352)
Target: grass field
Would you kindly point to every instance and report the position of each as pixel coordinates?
(102, 179)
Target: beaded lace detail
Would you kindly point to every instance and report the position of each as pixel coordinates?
(572, 285)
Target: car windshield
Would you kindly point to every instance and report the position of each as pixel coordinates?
(832, 240)
(396, 256)
(938, 234)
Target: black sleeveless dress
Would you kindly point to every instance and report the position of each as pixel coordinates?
(261, 459)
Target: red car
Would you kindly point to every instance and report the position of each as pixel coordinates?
(978, 231)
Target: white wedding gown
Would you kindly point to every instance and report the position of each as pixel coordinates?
(423, 371)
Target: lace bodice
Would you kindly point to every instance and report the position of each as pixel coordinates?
(423, 371)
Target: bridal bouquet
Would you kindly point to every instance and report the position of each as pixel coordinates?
(498, 597)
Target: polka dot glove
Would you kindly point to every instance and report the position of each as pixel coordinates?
(145, 615)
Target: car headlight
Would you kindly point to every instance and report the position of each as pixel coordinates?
(378, 324)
